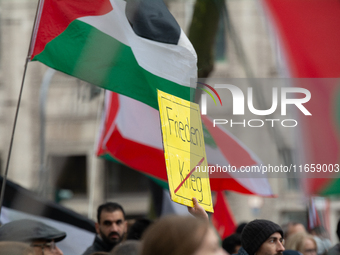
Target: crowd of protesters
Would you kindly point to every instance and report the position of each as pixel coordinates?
(170, 235)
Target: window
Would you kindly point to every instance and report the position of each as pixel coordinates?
(122, 179)
(68, 173)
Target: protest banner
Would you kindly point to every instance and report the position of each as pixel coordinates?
(184, 151)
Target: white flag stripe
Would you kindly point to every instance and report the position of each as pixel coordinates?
(139, 122)
(160, 59)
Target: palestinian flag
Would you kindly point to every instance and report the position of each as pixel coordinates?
(20, 203)
(131, 135)
(308, 33)
(130, 47)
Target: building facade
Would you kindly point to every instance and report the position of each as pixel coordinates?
(54, 145)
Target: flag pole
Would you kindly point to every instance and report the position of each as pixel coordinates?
(28, 57)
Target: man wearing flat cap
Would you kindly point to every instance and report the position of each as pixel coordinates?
(261, 237)
(40, 236)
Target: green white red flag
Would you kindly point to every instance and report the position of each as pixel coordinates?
(130, 47)
(131, 135)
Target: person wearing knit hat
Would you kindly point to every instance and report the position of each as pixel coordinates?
(261, 237)
(40, 236)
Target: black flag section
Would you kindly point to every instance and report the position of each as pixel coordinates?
(152, 20)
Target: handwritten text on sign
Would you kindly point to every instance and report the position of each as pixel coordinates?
(184, 150)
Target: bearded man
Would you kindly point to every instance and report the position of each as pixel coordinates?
(261, 237)
(111, 228)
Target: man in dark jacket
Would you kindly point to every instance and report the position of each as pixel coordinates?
(261, 237)
(111, 228)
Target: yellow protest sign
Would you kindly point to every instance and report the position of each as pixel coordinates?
(184, 151)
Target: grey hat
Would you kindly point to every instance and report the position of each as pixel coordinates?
(256, 232)
(28, 230)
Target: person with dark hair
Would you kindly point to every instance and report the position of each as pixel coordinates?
(261, 237)
(111, 228)
(240, 227)
(38, 235)
(232, 243)
(137, 229)
(335, 250)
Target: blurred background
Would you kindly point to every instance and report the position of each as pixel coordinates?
(54, 150)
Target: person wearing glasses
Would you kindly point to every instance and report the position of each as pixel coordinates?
(41, 237)
(303, 243)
